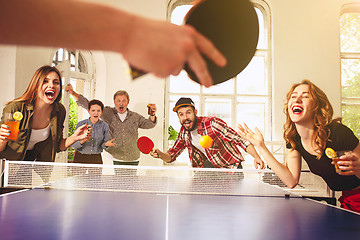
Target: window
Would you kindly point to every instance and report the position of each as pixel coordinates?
(245, 98)
(350, 66)
(76, 68)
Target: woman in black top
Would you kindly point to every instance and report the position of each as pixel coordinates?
(308, 131)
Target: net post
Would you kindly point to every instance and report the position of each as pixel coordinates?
(6, 173)
(1, 172)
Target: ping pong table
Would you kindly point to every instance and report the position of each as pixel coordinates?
(182, 208)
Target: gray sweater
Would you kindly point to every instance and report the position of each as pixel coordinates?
(125, 132)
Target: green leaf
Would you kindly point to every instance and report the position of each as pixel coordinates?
(173, 134)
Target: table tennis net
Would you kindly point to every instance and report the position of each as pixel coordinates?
(163, 179)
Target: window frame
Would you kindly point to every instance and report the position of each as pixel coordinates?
(65, 67)
(348, 101)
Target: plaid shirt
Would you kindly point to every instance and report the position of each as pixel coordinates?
(222, 154)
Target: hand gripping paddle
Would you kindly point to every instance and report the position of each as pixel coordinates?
(145, 144)
(232, 26)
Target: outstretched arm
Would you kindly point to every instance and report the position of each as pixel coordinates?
(81, 25)
(156, 153)
(81, 101)
(81, 133)
(258, 163)
(289, 174)
(69, 88)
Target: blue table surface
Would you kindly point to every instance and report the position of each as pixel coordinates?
(62, 214)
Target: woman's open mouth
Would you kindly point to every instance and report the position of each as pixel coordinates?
(50, 94)
(297, 109)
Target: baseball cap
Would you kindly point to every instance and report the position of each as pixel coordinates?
(183, 102)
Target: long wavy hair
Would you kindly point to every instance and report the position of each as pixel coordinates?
(323, 114)
(29, 96)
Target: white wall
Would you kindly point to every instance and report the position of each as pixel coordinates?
(305, 45)
(7, 74)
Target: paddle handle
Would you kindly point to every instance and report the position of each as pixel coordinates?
(135, 73)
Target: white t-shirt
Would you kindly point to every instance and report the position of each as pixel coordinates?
(195, 140)
(122, 116)
(38, 135)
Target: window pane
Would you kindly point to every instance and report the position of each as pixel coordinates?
(253, 112)
(73, 83)
(178, 14)
(217, 107)
(350, 77)
(350, 114)
(60, 54)
(182, 84)
(350, 32)
(79, 87)
(222, 88)
(252, 80)
(262, 43)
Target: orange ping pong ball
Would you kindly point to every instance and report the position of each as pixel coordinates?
(206, 141)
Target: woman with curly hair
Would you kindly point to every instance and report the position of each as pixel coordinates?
(308, 131)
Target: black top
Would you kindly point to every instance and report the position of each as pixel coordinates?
(341, 138)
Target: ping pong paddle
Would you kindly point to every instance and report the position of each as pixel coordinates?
(145, 144)
(232, 26)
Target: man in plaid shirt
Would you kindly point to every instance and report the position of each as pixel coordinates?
(223, 152)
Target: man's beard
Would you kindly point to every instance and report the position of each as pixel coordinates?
(193, 126)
